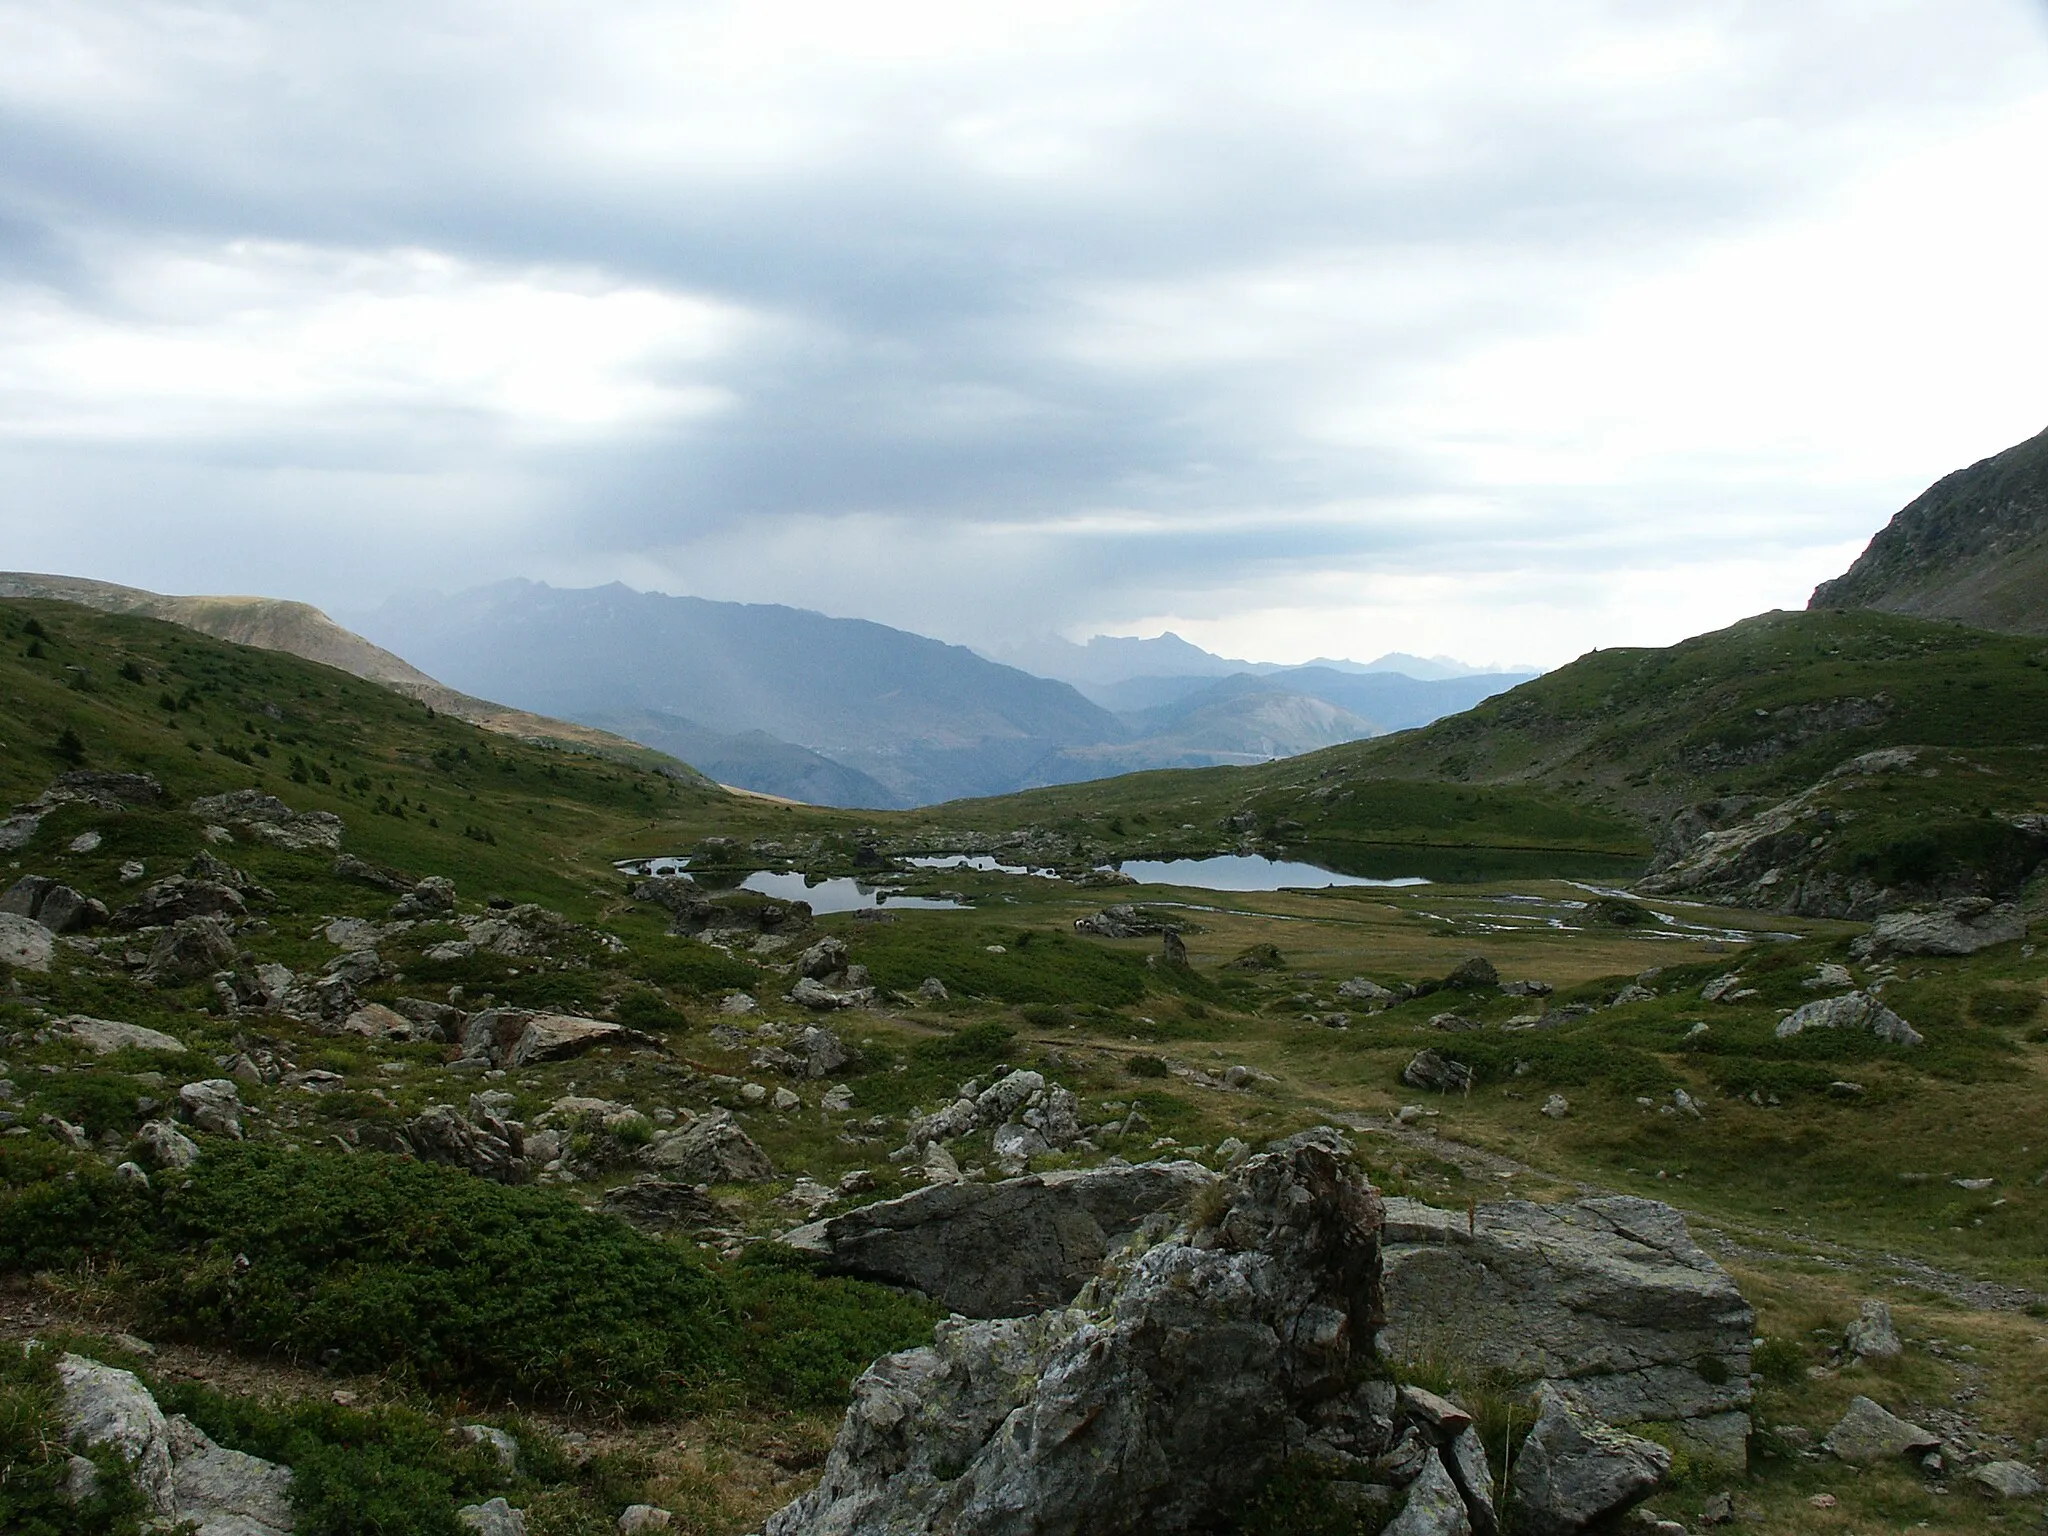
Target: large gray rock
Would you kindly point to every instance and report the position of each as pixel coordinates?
(213, 1105)
(1004, 1249)
(1869, 1433)
(223, 1492)
(493, 1517)
(165, 1146)
(105, 1406)
(1852, 1010)
(25, 944)
(655, 1204)
(713, 1150)
(1573, 1469)
(57, 907)
(1609, 1297)
(179, 897)
(1959, 927)
(1433, 1070)
(558, 1036)
(104, 1036)
(1872, 1336)
(2008, 1479)
(1172, 1388)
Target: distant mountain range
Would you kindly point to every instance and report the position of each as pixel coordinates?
(1107, 661)
(1973, 546)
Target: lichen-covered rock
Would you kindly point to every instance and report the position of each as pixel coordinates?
(105, 1406)
(223, 1492)
(1003, 1249)
(25, 944)
(1609, 1297)
(190, 949)
(213, 1105)
(1872, 1336)
(655, 1204)
(1173, 1386)
(1870, 1433)
(1852, 1010)
(165, 1146)
(1959, 927)
(480, 1141)
(1433, 1070)
(269, 820)
(1574, 1470)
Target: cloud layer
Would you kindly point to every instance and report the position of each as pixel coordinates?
(1477, 328)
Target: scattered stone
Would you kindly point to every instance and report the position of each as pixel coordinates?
(213, 1105)
(1437, 1072)
(1557, 1106)
(933, 990)
(837, 1099)
(432, 897)
(636, 1519)
(1721, 989)
(1456, 1023)
(1867, 1433)
(1872, 1336)
(784, 1101)
(753, 1095)
(481, 1142)
(655, 1204)
(1959, 927)
(714, 1150)
(1526, 988)
(1829, 977)
(57, 907)
(1474, 974)
(738, 1003)
(86, 842)
(1574, 1469)
(1852, 1010)
(823, 960)
(1002, 1249)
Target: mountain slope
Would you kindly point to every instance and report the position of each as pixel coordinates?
(751, 760)
(1973, 546)
(927, 720)
(299, 629)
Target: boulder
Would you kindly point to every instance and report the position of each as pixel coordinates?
(1574, 1470)
(190, 949)
(714, 1150)
(1609, 1297)
(1872, 1336)
(1002, 1099)
(1851, 1010)
(823, 960)
(823, 1053)
(1434, 1507)
(1178, 1382)
(557, 1037)
(815, 995)
(172, 900)
(223, 1492)
(213, 1105)
(1122, 922)
(105, 1406)
(432, 897)
(1362, 989)
(373, 1021)
(655, 1204)
(493, 1517)
(25, 944)
(504, 1447)
(1959, 927)
(933, 990)
(1433, 1070)
(163, 1145)
(1002, 1249)
(638, 1519)
(57, 907)
(2007, 1479)
(105, 1036)
(108, 790)
(1868, 1433)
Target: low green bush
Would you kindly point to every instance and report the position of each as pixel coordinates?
(35, 1460)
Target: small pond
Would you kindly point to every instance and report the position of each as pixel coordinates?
(841, 894)
(1248, 872)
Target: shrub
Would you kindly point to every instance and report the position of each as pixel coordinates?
(1145, 1066)
(1778, 1361)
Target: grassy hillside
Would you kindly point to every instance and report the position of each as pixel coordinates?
(341, 1309)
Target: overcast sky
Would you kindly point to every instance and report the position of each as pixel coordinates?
(1495, 330)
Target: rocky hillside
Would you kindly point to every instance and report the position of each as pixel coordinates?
(1973, 546)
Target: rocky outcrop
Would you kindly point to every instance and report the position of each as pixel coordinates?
(191, 949)
(1126, 922)
(223, 1492)
(269, 820)
(1017, 1103)
(1177, 1383)
(1004, 1249)
(655, 1204)
(1437, 1072)
(105, 1406)
(180, 897)
(1869, 1433)
(489, 1147)
(1608, 1297)
(518, 1037)
(1959, 927)
(213, 1105)
(1852, 1010)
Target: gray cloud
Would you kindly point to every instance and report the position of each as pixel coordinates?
(1005, 320)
